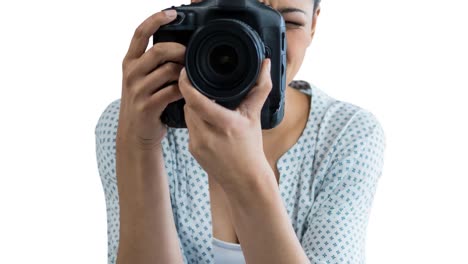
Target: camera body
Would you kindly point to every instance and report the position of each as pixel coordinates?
(226, 42)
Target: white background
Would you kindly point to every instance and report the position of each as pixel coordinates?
(60, 66)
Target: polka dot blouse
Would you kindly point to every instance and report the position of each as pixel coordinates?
(327, 182)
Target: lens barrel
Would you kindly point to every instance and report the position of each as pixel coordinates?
(224, 58)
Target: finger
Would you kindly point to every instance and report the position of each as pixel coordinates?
(190, 119)
(204, 107)
(163, 97)
(145, 30)
(199, 128)
(166, 73)
(159, 54)
(194, 130)
(199, 122)
(253, 103)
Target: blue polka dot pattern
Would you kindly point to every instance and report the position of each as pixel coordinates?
(327, 181)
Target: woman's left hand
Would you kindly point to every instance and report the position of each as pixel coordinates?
(227, 143)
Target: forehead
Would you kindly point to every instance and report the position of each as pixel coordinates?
(306, 5)
(293, 3)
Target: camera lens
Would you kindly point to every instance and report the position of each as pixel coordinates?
(224, 59)
(221, 64)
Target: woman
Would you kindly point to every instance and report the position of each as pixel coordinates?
(223, 193)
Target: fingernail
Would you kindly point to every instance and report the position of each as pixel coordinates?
(170, 13)
(269, 64)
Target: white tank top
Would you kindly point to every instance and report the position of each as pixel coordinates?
(227, 253)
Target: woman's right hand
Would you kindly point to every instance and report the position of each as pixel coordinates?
(144, 74)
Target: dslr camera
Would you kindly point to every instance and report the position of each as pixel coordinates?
(226, 42)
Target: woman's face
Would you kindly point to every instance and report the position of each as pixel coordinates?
(300, 29)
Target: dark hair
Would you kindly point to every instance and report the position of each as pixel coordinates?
(316, 4)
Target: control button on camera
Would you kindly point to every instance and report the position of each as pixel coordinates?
(267, 52)
(283, 39)
(180, 18)
(283, 64)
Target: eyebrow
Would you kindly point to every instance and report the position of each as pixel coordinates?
(291, 10)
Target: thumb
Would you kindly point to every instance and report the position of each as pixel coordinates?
(255, 99)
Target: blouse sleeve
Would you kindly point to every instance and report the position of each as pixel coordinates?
(105, 134)
(337, 223)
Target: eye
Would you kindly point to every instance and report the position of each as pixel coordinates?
(294, 23)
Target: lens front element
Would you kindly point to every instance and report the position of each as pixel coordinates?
(224, 59)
